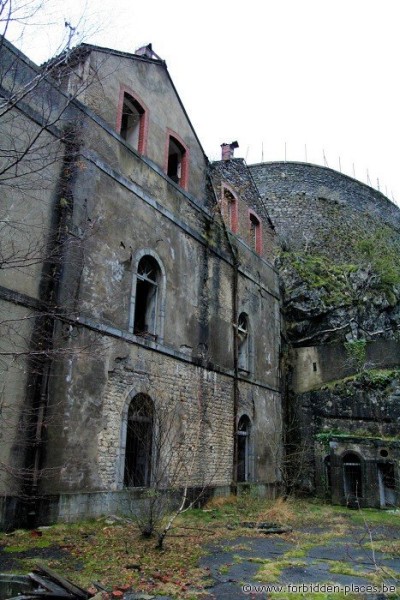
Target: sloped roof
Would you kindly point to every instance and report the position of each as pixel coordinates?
(143, 54)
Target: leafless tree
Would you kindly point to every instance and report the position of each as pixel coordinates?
(39, 158)
(174, 457)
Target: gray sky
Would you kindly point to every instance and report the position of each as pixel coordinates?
(315, 79)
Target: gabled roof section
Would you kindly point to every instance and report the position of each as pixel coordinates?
(235, 172)
(71, 57)
(75, 55)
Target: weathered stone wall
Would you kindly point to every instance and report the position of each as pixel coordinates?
(237, 176)
(314, 366)
(131, 208)
(89, 441)
(31, 162)
(339, 242)
(376, 456)
(150, 80)
(16, 324)
(106, 207)
(301, 197)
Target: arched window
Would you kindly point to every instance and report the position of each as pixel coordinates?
(243, 449)
(230, 209)
(139, 437)
(148, 297)
(243, 343)
(177, 161)
(352, 476)
(132, 120)
(255, 232)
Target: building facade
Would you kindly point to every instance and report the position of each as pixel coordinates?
(171, 323)
(141, 327)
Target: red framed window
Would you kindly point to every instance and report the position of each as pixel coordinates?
(177, 160)
(255, 232)
(132, 120)
(230, 208)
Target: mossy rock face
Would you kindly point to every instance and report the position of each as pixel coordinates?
(347, 288)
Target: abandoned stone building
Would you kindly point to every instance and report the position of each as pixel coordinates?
(141, 323)
(167, 322)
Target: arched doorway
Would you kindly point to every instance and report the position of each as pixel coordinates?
(352, 476)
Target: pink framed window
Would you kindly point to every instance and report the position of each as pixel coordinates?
(132, 119)
(176, 163)
(230, 208)
(255, 232)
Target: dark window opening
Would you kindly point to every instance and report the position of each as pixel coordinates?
(147, 296)
(352, 475)
(387, 470)
(132, 122)
(177, 162)
(139, 437)
(243, 450)
(255, 233)
(328, 475)
(231, 209)
(314, 366)
(387, 484)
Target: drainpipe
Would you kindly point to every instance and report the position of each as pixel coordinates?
(235, 279)
(235, 363)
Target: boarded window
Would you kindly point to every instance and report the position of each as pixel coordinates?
(139, 437)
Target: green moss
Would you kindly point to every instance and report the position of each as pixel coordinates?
(344, 568)
(27, 544)
(324, 438)
(272, 569)
(357, 351)
(382, 250)
(378, 379)
(224, 569)
(319, 272)
(330, 270)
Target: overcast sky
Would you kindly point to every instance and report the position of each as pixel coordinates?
(307, 80)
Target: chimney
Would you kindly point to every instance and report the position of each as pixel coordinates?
(228, 150)
(147, 52)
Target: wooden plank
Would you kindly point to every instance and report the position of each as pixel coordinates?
(64, 583)
(49, 585)
(47, 594)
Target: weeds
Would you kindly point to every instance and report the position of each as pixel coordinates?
(116, 554)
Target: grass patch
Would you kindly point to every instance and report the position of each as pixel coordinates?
(388, 547)
(345, 568)
(271, 570)
(370, 517)
(115, 554)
